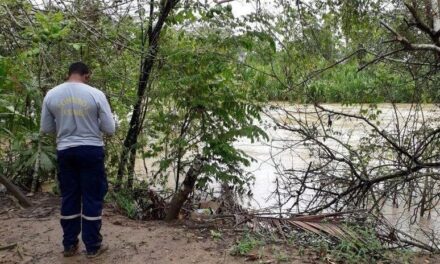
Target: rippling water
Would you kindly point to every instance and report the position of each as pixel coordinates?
(268, 153)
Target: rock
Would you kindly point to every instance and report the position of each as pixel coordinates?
(201, 214)
(213, 206)
(117, 222)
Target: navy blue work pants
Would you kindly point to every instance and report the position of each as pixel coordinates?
(83, 185)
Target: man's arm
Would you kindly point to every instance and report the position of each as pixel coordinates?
(47, 122)
(107, 122)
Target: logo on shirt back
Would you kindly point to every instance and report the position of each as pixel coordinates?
(73, 106)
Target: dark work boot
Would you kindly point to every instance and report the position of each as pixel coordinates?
(98, 252)
(71, 251)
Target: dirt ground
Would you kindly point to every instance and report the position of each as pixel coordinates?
(37, 234)
(36, 238)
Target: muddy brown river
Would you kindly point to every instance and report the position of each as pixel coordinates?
(271, 156)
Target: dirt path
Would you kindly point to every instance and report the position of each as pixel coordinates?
(37, 234)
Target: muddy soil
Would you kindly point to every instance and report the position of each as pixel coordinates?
(35, 236)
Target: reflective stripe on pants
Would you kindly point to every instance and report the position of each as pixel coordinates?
(92, 218)
(67, 217)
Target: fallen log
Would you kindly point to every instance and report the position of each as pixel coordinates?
(10, 187)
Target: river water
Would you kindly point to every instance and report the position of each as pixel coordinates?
(274, 155)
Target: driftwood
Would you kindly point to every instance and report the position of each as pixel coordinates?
(335, 227)
(23, 200)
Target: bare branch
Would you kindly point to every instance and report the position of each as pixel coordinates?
(219, 2)
(407, 44)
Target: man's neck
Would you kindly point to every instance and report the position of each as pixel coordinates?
(75, 78)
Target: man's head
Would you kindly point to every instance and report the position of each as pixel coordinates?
(79, 72)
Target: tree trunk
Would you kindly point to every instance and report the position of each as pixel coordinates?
(146, 68)
(187, 187)
(131, 165)
(15, 192)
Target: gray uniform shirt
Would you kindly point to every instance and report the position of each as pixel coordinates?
(78, 113)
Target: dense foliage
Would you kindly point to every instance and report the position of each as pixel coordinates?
(210, 78)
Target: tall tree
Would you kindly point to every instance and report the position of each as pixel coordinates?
(128, 153)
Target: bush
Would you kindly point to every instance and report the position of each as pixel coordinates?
(125, 202)
(246, 244)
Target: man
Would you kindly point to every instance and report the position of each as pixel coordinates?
(79, 114)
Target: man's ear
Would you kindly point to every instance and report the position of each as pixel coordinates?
(87, 77)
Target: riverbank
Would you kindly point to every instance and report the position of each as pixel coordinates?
(34, 236)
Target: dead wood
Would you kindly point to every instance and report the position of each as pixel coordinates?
(23, 200)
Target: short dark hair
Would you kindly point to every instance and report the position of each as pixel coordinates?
(78, 68)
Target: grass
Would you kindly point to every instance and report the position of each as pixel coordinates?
(262, 248)
(125, 202)
(246, 244)
(216, 235)
(367, 249)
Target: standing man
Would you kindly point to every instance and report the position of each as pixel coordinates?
(79, 114)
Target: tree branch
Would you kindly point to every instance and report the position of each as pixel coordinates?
(407, 44)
